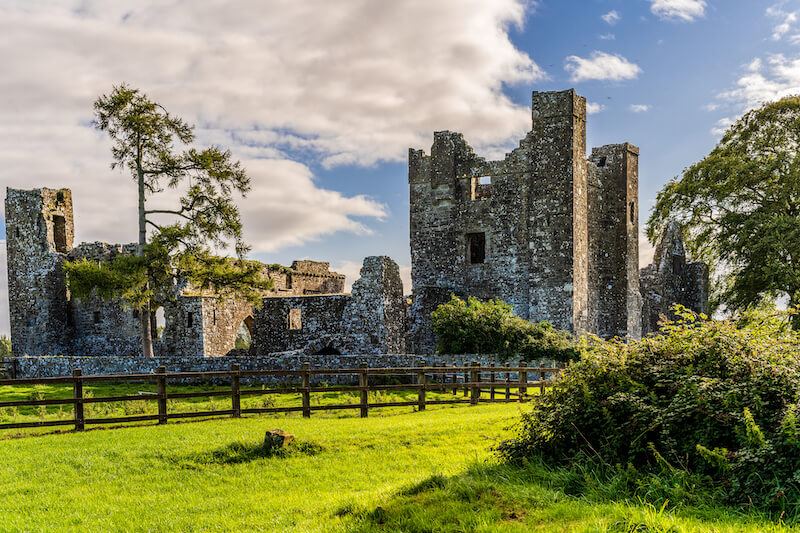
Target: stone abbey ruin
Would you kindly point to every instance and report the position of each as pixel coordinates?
(547, 230)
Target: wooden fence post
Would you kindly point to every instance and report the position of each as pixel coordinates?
(77, 394)
(236, 404)
(523, 381)
(491, 380)
(455, 380)
(542, 376)
(466, 380)
(162, 394)
(306, 390)
(421, 393)
(508, 380)
(474, 377)
(363, 382)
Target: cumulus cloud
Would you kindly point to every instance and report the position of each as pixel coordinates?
(765, 81)
(786, 21)
(682, 10)
(608, 37)
(639, 108)
(355, 83)
(594, 107)
(722, 126)
(611, 18)
(601, 66)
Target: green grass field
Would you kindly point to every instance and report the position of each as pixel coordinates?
(430, 471)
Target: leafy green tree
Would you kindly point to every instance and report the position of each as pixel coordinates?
(491, 327)
(180, 242)
(740, 208)
(5, 347)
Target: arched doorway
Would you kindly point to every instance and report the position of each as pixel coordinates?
(244, 334)
(328, 350)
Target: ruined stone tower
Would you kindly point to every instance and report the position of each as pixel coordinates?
(545, 229)
(39, 234)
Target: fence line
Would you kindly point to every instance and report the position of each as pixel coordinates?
(467, 378)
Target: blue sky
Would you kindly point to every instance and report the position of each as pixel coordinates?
(321, 100)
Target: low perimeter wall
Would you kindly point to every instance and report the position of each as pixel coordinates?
(41, 367)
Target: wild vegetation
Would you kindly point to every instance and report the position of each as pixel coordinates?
(708, 411)
(492, 327)
(5, 346)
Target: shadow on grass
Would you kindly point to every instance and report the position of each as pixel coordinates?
(507, 497)
(239, 452)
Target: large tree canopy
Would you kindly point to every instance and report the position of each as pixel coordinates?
(181, 238)
(740, 208)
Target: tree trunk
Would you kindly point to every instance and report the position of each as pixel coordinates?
(147, 332)
(794, 302)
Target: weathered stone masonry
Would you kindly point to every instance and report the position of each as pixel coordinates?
(45, 320)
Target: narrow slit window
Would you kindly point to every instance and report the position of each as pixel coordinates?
(190, 320)
(294, 320)
(96, 317)
(60, 234)
(476, 248)
(602, 162)
(633, 213)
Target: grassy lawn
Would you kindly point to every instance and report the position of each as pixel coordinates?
(430, 471)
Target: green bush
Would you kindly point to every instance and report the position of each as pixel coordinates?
(491, 327)
(5, 347)
(717, 400)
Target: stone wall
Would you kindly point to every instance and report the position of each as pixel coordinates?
(670, 280)
(39, 367)
(555, 235)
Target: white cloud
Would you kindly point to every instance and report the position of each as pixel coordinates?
(611, 18)
(594, 107)
(639, 108)
(765, 81)
(721, 126)
(683, 10)
(711, 107)
(608, 37)
(785, 21)
(601, 66)
(354, 83)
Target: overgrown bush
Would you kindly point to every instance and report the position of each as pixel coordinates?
(491, 327)
(718, 400)
(5, 347)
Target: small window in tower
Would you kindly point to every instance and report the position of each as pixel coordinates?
(17, 231)
(481, 187)
(96, 317)
(60, 197)
(476, 248)
(135, 314)
(214, 316)
(60, 234)
(294, 320)
(189, 320)
(676, 265)
(288, 281)
(601, 162)
(632, 209)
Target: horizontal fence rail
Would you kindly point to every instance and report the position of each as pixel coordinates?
(472, 381)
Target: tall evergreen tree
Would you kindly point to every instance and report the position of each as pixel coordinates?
(144, 136)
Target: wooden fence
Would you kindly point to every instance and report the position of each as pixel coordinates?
(472, 380)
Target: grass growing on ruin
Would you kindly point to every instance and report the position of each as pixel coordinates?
(412, 472)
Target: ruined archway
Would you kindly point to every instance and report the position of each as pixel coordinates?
(327, 350)
(244, 334)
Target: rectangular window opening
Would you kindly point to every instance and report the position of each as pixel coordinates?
(481, 187)
(476, 248)
(294, 320)
(60, 234)
(602, 162)
(96, 317)
(190, 320)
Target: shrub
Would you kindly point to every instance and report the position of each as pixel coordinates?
(491, 327)
(5, 347)
(714, 399)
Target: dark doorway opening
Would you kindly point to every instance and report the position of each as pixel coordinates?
(328, 350)
(60, 234)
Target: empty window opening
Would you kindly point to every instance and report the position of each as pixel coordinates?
(676, 265)
(294, 320)
(60, 234)
(328, 350)
(244, 335)
(632, 209)
(476, 248)
(481, 187)
(16, 230)
(135, 314)
(189, 320)
(158, 323)
(601, 162)
(214, 316)
(60, 197)
(96, 317)
(288, 281)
